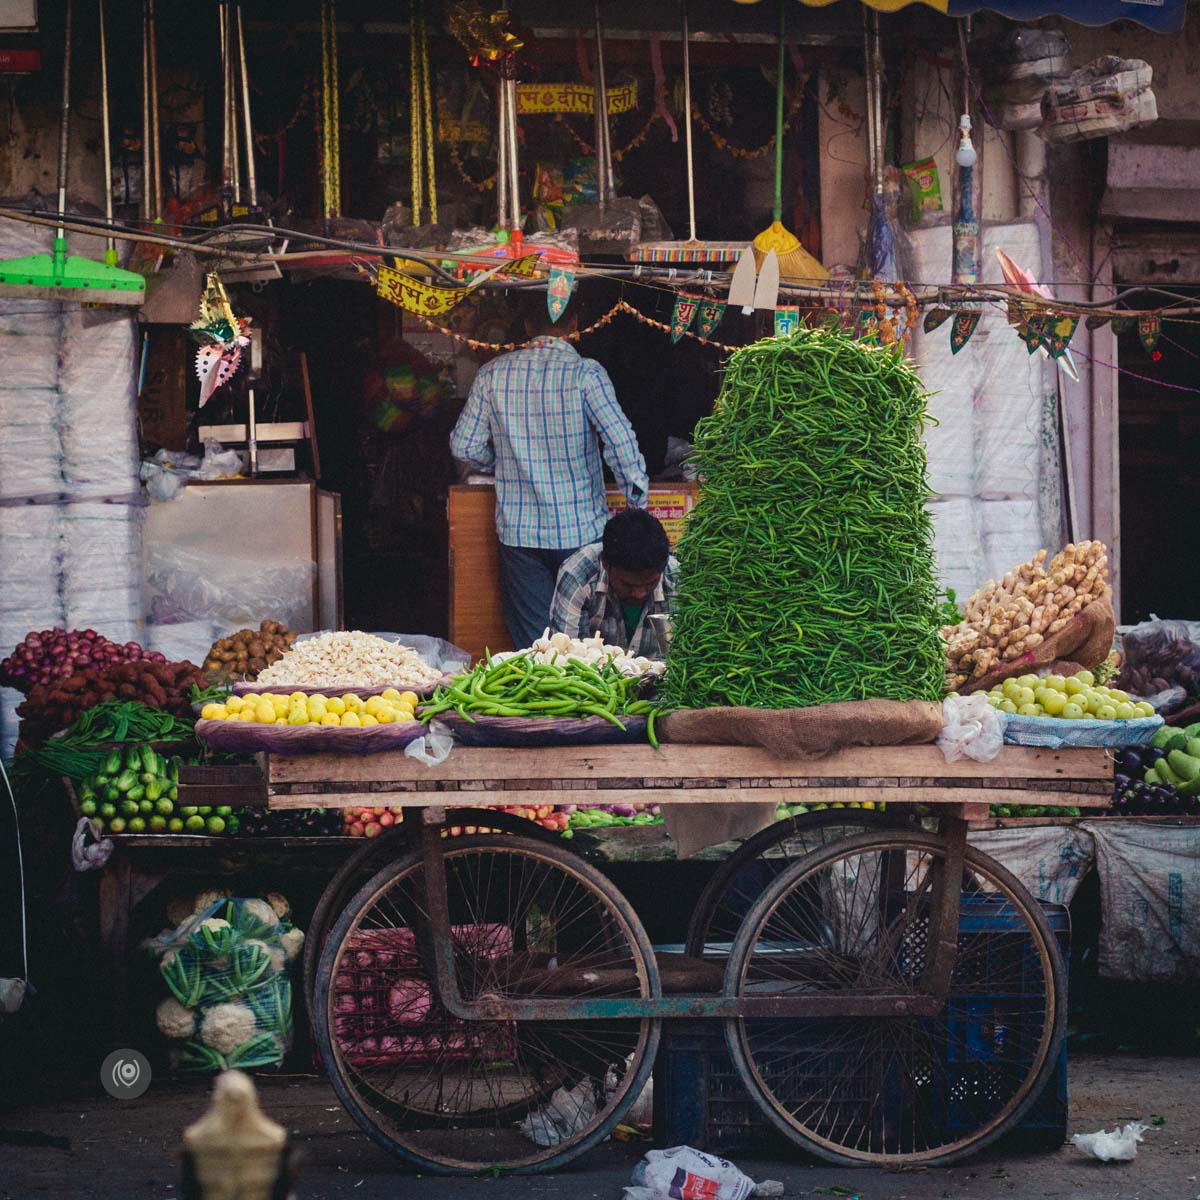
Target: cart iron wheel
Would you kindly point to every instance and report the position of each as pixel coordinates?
(856, 917)
(527, 920)
(743, 876)
(377, 852)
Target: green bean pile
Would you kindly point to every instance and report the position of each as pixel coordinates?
(806, 570)
(521, 687)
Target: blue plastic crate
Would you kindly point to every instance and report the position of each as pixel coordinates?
(699, 1099)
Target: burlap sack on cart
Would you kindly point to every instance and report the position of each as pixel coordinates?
(799, 733)
(1086, 640)
(1149, 884)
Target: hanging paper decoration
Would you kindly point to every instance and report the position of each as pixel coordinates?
(414, 296)
(1098, 321)
(1122, 325)
(485, 37)
(787, 321)
(964, 325)
(1032, 332)
(709, 317)
(683, 314)
(1148, 331)
(221, 335)
(558, 291)
(935, 317)
(534, 99)
(867, 325)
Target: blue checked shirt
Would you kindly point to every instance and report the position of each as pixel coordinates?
(538, 416)
(583, 605)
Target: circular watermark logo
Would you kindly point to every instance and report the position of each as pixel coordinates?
(125, 1074)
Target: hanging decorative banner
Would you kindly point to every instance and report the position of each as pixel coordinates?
(1033, 332)
(525, 267)
(1097, 322)
(454, 132)
(558, 291)
(1060, 330)
(709, 317)
(787, 321)
(935, 317)
(1148, 331)
(534, 99)
(486, 37)
(222, 336)
(683, 314)
(1122, 325)
(964, 325)
(416, 297)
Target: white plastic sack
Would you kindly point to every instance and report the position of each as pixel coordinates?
(1149, 888)
(1050, 860)
(973, 728)
(683, 1173)
(89, 849)
(1119, 1146)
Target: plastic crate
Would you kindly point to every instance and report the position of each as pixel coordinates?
(700, 1100)
(384, 1010)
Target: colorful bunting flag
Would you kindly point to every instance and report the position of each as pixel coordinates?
(1122, 325)
(683, 314)
(935, 317)
(1097, 322)
(558, 291)
(787, 321)
(1060, 330)
(1148, 331)
(709, 317)
(964, 325)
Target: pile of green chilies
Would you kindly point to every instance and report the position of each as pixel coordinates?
(520, 687)
(806, 569)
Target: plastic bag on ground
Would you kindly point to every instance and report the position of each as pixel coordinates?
(973, 729)
(683, 1173)
(566, 1112)
(1118, 1146)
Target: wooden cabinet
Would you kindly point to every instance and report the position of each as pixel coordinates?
(476, 619)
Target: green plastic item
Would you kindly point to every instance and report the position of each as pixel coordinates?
(57, 275)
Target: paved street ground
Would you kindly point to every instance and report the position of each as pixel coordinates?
(126, 1150)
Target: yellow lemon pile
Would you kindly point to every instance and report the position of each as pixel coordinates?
(348, 711)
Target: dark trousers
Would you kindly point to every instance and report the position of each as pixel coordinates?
(527, 580)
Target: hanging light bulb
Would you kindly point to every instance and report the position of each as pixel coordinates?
(965, 155)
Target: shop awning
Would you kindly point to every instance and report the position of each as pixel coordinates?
(1163, 16)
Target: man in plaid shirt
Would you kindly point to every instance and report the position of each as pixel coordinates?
(538, 417)
(614, 587)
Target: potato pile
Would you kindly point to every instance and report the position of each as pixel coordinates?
(1004, 620)
(244, 654)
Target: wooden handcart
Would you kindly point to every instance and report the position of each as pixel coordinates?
(889, 994)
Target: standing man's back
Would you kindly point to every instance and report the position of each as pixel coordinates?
(539, 417)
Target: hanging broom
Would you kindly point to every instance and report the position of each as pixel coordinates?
(56, 276)
(693, 250)
(795, 263)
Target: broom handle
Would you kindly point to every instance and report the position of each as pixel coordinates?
(777, 207)
(687, 110)
(64, 131)
(251, 176)
(110, 243)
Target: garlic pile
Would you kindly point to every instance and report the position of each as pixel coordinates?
(591, 651)
(1007, 619)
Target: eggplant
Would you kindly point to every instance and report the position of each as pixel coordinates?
(1130, 760)
(1152, 755)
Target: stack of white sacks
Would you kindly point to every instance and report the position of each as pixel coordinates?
(993, 456)
(70, 511)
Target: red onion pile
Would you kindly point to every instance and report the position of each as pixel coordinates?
(60, 653)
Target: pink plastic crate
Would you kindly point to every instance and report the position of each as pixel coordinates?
(385, 1012)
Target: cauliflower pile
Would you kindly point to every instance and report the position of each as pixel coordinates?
(225, 963)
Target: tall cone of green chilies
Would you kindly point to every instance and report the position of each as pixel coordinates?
(807, 569)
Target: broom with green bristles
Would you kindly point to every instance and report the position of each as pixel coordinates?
(795, 263)
(57, 276)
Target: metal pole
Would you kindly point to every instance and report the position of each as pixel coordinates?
(687, 112)
(64, 129)
(231, 68)
(251, 177)
(147, 170)
(156, 147)
(514, 185)
(226, 163)
(881, 125)
(110, 244)
(604, 173)
(501, 154)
